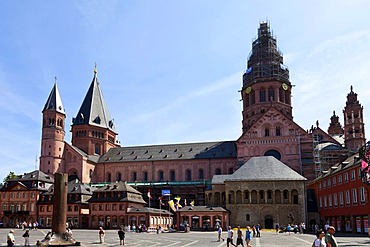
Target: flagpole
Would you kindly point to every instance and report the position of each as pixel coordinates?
(160, 210)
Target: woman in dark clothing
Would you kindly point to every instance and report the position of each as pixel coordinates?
(121, 235)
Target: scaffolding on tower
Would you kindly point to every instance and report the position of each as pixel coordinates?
(316, 154)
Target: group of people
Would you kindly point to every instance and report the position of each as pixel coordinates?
(240, 235)
(121, 235)
(325, 239)
(293, 228)
(30, 225)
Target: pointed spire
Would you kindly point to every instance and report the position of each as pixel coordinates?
(54, 101)
(94, 110)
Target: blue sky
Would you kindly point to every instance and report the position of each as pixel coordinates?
(170, 71)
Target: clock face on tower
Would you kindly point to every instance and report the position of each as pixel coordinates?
(248, 90)
(285, 86)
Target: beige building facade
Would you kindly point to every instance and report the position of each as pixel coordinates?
(263, 191)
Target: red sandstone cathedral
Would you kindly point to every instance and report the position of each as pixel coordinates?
(95, 156)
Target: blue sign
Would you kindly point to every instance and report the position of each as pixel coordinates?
(166, 192)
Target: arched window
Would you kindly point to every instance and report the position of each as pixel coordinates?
(281, 95)
(231, 170)
(262, 95)
(271, 94)
(273, 153)
(267, 132)
(278, 131)
(188, 175)
(160, 175)
(90, 173)
(108, 177)
(294, 196)
(134, 176)
(287, 98)
(218, 171)
(118, 176)
(253, 97)
(97, 148)
(201, 174)
(172, 175)
(145, 175)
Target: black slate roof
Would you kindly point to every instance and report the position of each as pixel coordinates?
(74, 187)
(34, 176)
(54, 101)
(182, 151)
(94, 110)
(202, 209)
(128, 193)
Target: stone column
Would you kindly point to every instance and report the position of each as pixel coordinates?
(60, 203)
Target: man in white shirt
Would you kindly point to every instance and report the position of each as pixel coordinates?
(230, 235)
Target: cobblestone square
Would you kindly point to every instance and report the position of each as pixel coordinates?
(193, 239)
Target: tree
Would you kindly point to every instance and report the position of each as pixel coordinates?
(11, 175)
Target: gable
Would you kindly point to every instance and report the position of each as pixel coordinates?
(272, 120)
(15, 187)
(72, 154)
(323, 136)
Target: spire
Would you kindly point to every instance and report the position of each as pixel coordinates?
(54, 101)
(94, 110)
(335, 127)
(265, 60)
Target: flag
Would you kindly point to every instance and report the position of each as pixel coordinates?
(172, 205)
(192, 202)
(178, 202)
(149, 195)
(364, 164)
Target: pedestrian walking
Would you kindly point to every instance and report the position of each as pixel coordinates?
(230, 235)
(329, 237)
(320, 239)
(26, 236)
(248, 237)
(277, 228)
(121, 235)
(219, 231)
(101, 234)
(10, 239)
(258, 230)
(239, 237)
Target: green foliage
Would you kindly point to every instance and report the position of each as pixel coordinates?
(9, 176)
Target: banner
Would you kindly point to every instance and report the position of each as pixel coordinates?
(358, 223)
(166, 192)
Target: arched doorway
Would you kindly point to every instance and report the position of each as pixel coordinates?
(269, 222)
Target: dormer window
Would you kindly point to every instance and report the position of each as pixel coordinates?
(97, 120)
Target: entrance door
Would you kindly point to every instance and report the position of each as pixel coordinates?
(269, 223)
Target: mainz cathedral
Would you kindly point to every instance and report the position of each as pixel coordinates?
(272, 143)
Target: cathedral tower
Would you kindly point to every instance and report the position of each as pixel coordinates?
(266, 80)
(93, 128)
(52, 141)
(335, 128)
(354, 130)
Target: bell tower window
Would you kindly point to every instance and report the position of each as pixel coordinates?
(262, 95)
(271, 94)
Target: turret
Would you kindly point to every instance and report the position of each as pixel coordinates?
(93, 129)
(52, 141)
(354, 129)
